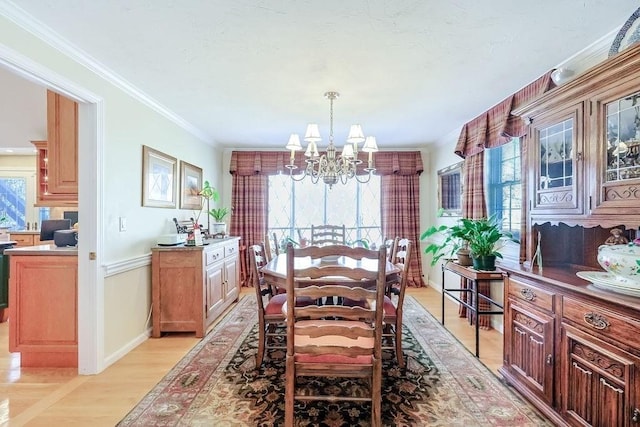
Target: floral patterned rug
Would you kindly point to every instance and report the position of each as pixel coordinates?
(217, 384)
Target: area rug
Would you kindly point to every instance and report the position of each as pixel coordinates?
(217, 384)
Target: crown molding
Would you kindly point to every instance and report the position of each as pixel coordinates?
(590, 56)
(28, 23)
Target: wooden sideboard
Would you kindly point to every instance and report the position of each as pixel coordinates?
(571, 348)
(192, 286)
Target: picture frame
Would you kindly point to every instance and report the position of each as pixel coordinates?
(629, 34)
(450, 190)
(159, 179)
(190, 186)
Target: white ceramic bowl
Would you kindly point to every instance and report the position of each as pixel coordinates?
(622, 261)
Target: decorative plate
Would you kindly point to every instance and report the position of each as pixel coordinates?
(609, 282)
(628, 34)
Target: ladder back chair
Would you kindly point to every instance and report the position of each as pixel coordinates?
(322, 235)
(391, 243)
(268, 252)
(393, 306)
(333, 340)
(271, 317)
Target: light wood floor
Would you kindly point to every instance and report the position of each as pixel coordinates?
(60, 397)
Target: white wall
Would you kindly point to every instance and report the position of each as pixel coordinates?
(127, 124)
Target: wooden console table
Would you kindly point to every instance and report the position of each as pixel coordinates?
(473, 278)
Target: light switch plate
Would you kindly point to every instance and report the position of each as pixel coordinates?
(123, 224)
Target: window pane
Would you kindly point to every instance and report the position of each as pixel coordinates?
(13, 193)
(355, 205)
(504, 189)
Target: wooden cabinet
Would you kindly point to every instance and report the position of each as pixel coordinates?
(572, 350)
(529, 348)
(57, 157)
(43, 308)
(25, 239)
(192, 286)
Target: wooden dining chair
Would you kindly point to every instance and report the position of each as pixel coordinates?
(259, 259)
(333, 340)
(391, 243)
(400, 253)
(268, 252)
(393, 306)
(276, 245)
(271, 317)
(322, 235)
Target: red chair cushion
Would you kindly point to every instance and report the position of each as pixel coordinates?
(389, 308)
(277, 302)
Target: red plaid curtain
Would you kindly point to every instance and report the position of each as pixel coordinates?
(400, 205)
(490, 129)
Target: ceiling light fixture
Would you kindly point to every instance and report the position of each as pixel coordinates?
(331, 167)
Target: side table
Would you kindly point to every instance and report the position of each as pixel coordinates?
(474, 277)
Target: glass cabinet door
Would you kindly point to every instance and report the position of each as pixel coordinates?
(615, 150)
(556, 155)
(556, 162)
(623, 138)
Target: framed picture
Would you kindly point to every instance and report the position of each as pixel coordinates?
(159, 179)
(190, 186)
(450, 190)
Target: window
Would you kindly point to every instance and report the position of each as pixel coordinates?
(295, 206)
(17, 197)
(504, 185)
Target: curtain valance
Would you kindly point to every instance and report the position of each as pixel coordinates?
(245, 163)
(497, 125)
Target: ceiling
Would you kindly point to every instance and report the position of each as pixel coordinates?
(247, 73)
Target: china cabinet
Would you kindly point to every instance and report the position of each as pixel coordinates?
(571, 346)
(192, 286)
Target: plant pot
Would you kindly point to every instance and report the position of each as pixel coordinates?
(218, 229)
(464, 258)
(484, 262)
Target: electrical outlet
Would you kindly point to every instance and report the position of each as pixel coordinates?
(123, 224)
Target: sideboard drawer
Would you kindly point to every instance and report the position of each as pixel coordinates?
(230, 250)
(531, 294)
(596, 319)
(213, 255)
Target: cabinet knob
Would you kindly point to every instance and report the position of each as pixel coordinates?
(528, 294)
(636, 415)
(549, 359)
(596, 320)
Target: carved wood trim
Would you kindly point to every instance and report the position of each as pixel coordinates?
(604, 362)
(529, 322)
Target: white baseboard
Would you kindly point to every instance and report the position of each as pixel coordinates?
(113, 358)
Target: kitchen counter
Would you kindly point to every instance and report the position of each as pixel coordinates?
(50, 250)
(24, 231)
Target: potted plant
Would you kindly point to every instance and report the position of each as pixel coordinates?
(219, 227)
(482, 236)
(455, 242)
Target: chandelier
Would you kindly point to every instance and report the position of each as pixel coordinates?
(332, 167)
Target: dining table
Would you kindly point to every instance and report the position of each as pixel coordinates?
(275, 271)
